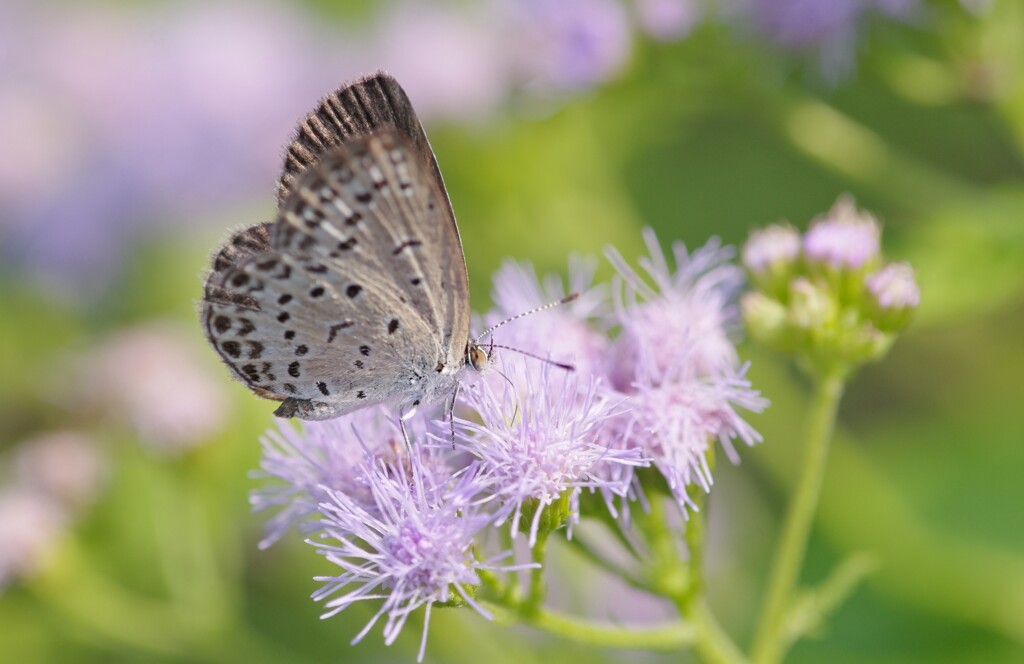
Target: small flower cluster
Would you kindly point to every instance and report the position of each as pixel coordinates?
(828, 295)
(405, 509)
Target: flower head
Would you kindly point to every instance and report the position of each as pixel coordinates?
(537, 446)
(412, 545)
(322, 457)
(678, 365)
(844, 239)
(667, 19)
(565, 333)
(893, 295)
(684, 319)
(675, 424)
(770, 256)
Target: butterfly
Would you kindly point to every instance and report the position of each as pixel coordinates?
(357, 293)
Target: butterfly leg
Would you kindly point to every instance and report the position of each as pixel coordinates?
(451, 411)
(402, 417)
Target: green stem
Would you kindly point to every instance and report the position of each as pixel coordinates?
(694, 535)
(603, 635)
(711, 642)
(771, 641)
(538, 589)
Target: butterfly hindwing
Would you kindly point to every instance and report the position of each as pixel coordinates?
(310, 333)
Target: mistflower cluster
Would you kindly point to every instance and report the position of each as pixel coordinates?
(427, 516)
(828, 296)
(411, 544)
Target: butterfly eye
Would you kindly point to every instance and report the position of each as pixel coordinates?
(477, 357)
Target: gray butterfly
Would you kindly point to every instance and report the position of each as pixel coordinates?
(357, 293)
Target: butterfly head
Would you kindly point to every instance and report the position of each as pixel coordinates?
(476, 356)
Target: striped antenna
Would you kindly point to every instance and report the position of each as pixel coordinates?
(549, 305)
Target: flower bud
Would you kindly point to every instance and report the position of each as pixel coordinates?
(864, 343)
(843, 244)
(553, 515)
(810, 306)
(766, 321)
(892, 296)
(770, 257)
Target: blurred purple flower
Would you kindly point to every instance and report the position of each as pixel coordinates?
(538, 445)
(413, 546)
(65, 465)
(447, 58)
(893, 296)
(767, 248)
(151, 377)
(31, 524)
(566, 45)
(125, 119)
(666, 20)
(829, 29)
(894, 287)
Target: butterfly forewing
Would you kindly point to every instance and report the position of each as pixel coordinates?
(360, 108)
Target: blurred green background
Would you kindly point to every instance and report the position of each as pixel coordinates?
(134, 135)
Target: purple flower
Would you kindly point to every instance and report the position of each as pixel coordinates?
(894, 287)
(537, 445)
(684, 319)
(675, 423)
(565, 333)
(893, 295)
(412, 545)
(843, 239)
(321, 457)
(112, 118)
(767, 249)
(679, 367)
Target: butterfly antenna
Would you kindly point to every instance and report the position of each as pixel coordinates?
(549, 305)
(560, 365)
